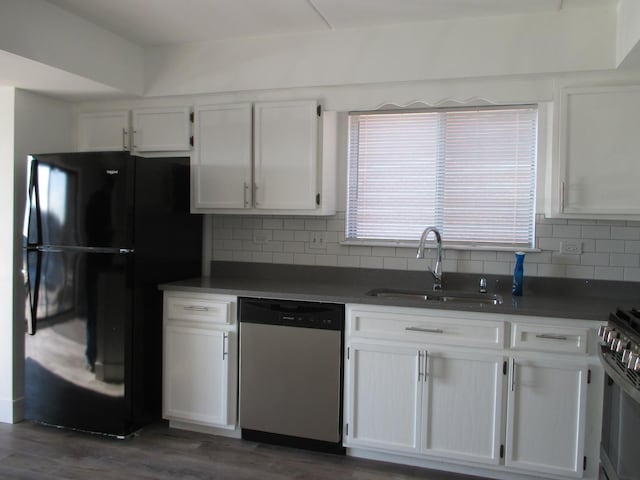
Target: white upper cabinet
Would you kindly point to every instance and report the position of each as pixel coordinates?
(265, 158)
(103, 131)
(286, 143)
(161, 129)
(221, 163)
(166, 129)
(596, 172)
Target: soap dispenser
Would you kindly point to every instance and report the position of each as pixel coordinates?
(518, 275)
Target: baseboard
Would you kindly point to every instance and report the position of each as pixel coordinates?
(11, 410)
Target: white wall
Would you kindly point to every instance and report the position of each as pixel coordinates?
(7, 129)
(45, 33)
(572, 40)
(29, 123)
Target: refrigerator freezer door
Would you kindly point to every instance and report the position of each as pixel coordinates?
(83, 199)
(75, 363)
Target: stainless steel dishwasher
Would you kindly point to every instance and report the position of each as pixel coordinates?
(291, 373)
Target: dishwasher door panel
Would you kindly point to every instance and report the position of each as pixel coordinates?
(290, 380)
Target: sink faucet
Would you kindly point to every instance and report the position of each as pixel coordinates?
(437, 270)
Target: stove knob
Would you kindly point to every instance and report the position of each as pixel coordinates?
(617, 345)
(634, 362)
(636, 366)
(602, 331)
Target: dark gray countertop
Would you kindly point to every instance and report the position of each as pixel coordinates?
(548, 297)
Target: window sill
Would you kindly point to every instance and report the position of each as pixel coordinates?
(431, 244)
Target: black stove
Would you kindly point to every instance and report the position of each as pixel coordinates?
(620, 345)
(620, 356)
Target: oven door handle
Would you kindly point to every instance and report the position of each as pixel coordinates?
(617, 377)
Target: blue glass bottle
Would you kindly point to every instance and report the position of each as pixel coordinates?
(518, 274)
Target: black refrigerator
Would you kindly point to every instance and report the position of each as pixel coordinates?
(102, 230)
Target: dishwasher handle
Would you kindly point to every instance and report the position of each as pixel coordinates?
(328, 316)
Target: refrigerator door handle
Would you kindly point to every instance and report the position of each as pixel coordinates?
(32, 316)
(34, 193)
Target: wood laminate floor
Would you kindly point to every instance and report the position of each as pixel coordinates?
(29, 451)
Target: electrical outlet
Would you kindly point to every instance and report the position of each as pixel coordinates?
(571, 247)
(317, 240)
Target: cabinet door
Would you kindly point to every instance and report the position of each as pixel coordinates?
(221, 162)
(546, 417)
(462, 415)
(161, 129)
(196, 375)
(383, 393)
(286, 145)
(103, 131)
(599, 145)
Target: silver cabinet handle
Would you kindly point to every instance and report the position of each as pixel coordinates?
(551, 336)
(422, 329)
(419, 366)
(561, 197)
(245, 187)
(255, 194)
(225, 344)
(513, 375)
(124, 139)
(196, 308)
(426, 364)
(133, 139)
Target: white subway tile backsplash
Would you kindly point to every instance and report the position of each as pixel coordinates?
(611, 250)
(624, 260)
(609, 273)
(597, 232)
(567, 231)
(371, 262)
(611, 246)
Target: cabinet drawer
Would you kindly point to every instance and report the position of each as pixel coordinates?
(198, 309)
(548, 338)
(420, 328)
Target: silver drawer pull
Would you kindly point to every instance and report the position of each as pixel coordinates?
(196, 308)
(422, 329)
(551, 336)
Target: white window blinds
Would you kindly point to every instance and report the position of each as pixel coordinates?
(470, 172)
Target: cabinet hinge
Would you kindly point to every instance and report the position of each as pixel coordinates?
(191, 140)
(348, 352)
(319, 110)
(501, 451)
(588, 376)
(318, 199)
(192, 117)
(504, 367)
(584, 464)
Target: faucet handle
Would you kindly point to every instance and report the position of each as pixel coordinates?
(483, 285)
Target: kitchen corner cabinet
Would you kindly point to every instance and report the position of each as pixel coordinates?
(200, 359)
(595, 170)
(264, 158)
(166, 129)
(499, 394)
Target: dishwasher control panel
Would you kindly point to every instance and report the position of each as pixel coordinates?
(327, 316)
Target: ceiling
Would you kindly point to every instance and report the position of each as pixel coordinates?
(164, 22)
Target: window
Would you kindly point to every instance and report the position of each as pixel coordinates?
(468, 171)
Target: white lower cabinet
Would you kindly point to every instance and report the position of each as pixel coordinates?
(200, 359)
(408, 399)
(530, 409)
(462, 406)
(546, 417)
(384, 397)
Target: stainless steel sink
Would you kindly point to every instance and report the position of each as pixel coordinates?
(437, 296)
